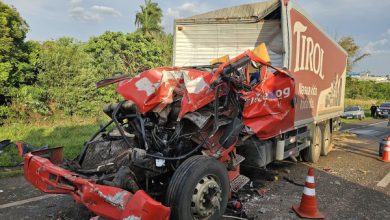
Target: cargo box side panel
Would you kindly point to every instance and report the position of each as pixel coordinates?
(319, 67)
(198, 44)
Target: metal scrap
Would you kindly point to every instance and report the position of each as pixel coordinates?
(116, 200)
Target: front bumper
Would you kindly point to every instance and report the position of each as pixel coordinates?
(106, 201)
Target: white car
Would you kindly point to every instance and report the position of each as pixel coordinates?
(354, 112)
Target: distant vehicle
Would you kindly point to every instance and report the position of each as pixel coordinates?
(354, 112)
(384, 110)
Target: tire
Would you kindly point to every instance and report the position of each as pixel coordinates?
(326, 140)
(195, 177)
(313, 152)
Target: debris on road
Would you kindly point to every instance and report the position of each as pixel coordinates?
(363, 171)
(262, 191)
(292, 181)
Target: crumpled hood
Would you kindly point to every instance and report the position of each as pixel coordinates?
(269, 106)
(156, 88)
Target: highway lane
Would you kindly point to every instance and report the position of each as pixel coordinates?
(376, 129)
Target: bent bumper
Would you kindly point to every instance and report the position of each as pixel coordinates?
(106, 201)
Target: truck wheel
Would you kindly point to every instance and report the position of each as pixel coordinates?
(312, 153)
(326, 140)
(198, 189)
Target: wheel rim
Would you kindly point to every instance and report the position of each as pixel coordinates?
(206, 198)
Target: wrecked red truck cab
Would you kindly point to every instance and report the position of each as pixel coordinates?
(174, 147)
(174, 122)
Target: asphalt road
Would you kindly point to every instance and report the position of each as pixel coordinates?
(349, 181)
(350, 184)
(376, 128)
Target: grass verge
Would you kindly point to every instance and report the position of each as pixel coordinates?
(71, 133)
(7, 174)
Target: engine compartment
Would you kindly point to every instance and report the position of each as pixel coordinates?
(141, 151)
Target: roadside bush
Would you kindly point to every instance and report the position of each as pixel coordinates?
(366, 90)
(117, 52)
(5, 112)
(31, 99)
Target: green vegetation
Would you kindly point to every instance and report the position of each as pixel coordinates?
(48, 89)
(148, 19)
(361, 93)
(59, 76)
(11, 173)
(367, 90)
(69, 132)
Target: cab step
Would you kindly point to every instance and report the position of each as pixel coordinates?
(238, 159)
(238, 183)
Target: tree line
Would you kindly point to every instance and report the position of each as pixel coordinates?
(41, 78)
(362, 90)
(367, 90)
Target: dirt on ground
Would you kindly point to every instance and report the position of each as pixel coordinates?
(346, 184)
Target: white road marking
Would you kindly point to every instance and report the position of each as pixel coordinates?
(385, 181)
(21, 202)
(365, 132)
(366, 126)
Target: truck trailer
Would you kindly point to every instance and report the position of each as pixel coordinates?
(296, 44)
(250, 84)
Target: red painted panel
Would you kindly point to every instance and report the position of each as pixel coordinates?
(318, 67)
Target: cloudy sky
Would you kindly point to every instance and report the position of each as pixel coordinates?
(367, 21)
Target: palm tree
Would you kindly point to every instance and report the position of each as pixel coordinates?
(148, 19)
(354, 51)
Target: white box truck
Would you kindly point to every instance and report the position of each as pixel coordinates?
(295, 43)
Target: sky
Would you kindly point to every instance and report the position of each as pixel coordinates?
(368, 22)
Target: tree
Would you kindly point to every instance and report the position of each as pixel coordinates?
(60, 61)
(148, 19)
(354, 51)
(18, 59)
(131, 53)
(13, 31)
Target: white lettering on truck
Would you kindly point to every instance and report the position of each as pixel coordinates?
(309, 54)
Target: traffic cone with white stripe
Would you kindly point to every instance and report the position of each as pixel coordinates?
(386, 151)
(308, 206)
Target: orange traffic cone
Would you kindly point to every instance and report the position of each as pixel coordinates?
(386, 151)
(308, 206)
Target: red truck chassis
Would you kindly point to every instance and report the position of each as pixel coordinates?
(106, 201)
